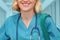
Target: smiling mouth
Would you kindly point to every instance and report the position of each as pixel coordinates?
(26, 4)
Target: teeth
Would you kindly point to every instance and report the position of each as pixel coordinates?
(25, 3)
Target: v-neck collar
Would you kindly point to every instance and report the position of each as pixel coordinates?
(31, 25)
(23, 26)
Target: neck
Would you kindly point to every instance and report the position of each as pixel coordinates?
(27, 15)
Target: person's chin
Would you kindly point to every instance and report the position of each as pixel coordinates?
(25, 9)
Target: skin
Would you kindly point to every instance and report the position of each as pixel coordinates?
(26, 10)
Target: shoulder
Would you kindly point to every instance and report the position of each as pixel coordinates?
(12, 19)
(46, 18)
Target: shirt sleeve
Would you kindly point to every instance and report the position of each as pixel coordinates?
(54, 33)
(3, 31)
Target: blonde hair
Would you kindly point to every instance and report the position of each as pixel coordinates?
(37, 6)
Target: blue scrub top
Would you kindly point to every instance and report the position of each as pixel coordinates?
(8, 30)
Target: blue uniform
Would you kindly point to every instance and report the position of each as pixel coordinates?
(8, 30)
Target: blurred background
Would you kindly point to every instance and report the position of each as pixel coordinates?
(51, 7)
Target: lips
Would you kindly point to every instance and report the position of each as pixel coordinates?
(26, 4)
